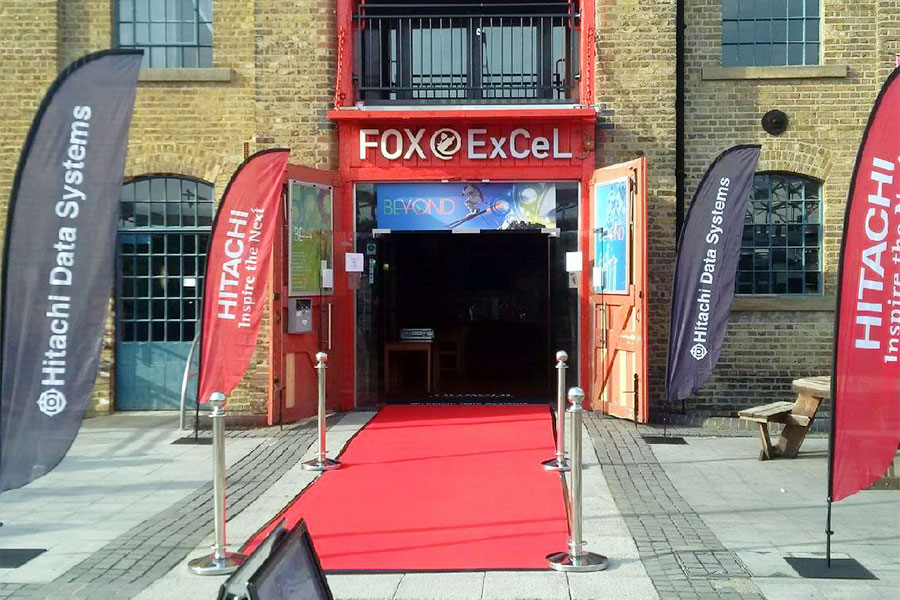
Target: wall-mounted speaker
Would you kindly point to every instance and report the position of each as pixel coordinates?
(775, 122)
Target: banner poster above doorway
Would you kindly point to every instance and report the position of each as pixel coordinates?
(466, 206)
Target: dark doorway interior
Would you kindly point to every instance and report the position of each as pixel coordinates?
(485, 295)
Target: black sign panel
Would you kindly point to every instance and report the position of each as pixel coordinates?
(708, 253)
(58, 267)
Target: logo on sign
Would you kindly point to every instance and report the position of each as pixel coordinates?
(475, 144)
(51, 402)
(698, 351)
(445, 143)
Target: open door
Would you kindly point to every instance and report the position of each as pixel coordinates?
(311, 302)
(618, 290)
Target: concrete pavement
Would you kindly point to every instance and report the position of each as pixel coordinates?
(121, 471)
(126, 510)
(765, 511)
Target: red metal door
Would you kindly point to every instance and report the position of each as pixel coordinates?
(292, 386)
(618, 292)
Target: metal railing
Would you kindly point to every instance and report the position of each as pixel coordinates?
(467, 53)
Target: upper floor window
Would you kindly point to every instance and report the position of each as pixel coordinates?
(172, 33)
(770, 32)
(781, 251)
(467, 52)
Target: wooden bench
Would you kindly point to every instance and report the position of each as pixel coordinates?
(796, 416)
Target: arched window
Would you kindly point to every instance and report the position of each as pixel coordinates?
(781, 250)
(172, 33)
(164, 228)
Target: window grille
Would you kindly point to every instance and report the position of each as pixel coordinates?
(467, 52)
(172, 33)
(164, 227)
(770, 32)
(781, 249)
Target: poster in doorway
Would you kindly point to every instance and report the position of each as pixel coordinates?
(311, 217)
(611, 213)
(465, 206)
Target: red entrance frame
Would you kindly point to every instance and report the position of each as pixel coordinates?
(579, 120)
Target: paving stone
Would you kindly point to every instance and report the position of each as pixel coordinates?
(440, 586)
(127, 564)
(678, 550)
(524, 585)
(603, 584)
(375, 586)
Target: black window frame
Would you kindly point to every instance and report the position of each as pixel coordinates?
(771, 33)
(388, 35)
(154, 303)
(779, 255)
(171, 21)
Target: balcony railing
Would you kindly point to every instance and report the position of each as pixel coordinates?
(467, 53)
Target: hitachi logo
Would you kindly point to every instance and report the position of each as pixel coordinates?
(229, 279)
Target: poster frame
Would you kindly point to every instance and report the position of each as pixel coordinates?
(320, 291)
(596, 241)
(462, 220)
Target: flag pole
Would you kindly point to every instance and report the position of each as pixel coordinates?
(837, 318)
(828, 530)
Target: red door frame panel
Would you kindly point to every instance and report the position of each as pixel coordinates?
(580, 168)
(581, 119)
(626, 311)
(340, 375)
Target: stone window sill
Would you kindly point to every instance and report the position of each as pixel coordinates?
(717, 73)
(783, 303)
(219, 74)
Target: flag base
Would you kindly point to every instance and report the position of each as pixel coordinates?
(664, 439)
(815, 567)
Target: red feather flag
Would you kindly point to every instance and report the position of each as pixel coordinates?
(237, 268)
(866, 379)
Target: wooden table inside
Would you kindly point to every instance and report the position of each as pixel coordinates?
(390, 347)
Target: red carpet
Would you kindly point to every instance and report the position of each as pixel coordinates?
(446, 488)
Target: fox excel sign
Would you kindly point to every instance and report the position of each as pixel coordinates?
(472, 143)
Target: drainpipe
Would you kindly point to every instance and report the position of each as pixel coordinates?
(679, 118)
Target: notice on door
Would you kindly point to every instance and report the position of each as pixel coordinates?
(353, 262)
(311, 247)
(611, 217)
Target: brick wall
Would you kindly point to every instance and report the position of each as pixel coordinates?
(195, 128)
(295, 66)
(29, 64)
(282, 56)
(635, 91)
(765, 349)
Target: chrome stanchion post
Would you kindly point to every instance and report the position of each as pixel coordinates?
(560, 463)
(322, 463)
(220, 562)
(576, 559)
